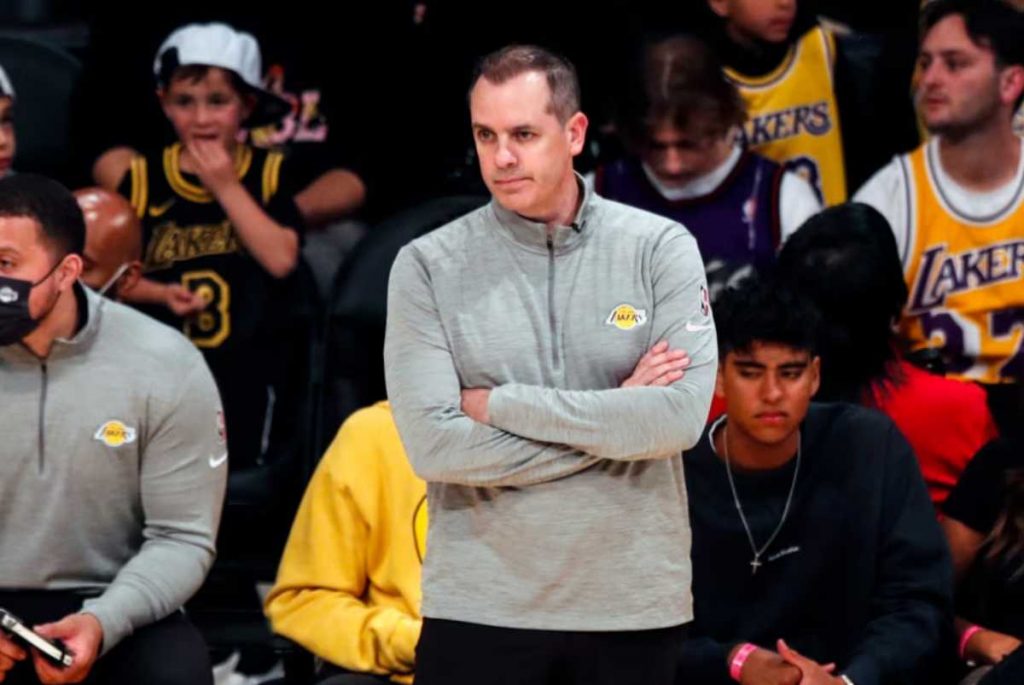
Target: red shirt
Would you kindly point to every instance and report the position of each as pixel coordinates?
(946, 422)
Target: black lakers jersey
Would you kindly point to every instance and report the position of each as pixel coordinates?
(189, 239)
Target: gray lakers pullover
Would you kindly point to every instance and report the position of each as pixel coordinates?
(112, 467)
(568, 511)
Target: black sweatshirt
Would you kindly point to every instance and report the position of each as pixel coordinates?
(859, 574)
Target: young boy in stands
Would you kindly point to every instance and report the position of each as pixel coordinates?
(221, 232)
(783, 61)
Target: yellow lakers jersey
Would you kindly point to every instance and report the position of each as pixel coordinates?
(794, 118)
(966, 278)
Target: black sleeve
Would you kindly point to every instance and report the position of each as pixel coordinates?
(977, 498)
(912, 599)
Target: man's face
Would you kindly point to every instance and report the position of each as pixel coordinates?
(112, 237)
(960, 87)
(677, 157)
(767, 390)
(207, 109)
(24, 255)
(525, 151)
(8, 144)
(757, 20)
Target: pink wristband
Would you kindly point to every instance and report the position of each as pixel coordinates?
(967, 635)
(736, 665)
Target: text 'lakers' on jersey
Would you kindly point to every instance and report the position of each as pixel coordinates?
(966, 277)
(189, 240)
(793, 115)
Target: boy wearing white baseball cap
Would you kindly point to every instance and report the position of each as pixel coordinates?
(220, 235)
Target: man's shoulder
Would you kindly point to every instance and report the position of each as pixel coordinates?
(143, 342)
(456, 234)
(626, 222)
(846, 423)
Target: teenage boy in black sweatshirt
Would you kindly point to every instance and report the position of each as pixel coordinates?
(817, 558)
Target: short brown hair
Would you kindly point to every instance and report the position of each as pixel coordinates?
(514, 60)
(682, 82)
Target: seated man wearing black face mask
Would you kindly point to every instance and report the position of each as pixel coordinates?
(111, 260)
(113, 462)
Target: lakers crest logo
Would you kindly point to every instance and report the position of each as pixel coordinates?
(626, 317)
(115, 434)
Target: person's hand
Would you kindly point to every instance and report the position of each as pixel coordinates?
(183, 301)
(765, 667)
(10, 654)
(658, 367)
(82, 635)
(990, 647)
(812, 672)
(213, 164)
(474, 404)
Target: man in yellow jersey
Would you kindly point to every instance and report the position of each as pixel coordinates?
(956, 204)
(785, 75)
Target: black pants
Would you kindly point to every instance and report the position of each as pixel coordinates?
(329, 674)
(455, 653)
(168, 652)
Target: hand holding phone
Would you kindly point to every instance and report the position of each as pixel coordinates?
(51, 649)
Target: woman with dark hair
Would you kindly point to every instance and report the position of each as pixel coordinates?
(984, 525)
(845, 260)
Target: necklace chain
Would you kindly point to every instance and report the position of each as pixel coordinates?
(755, 563)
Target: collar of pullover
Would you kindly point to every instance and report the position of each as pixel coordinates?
(90, 308)
(534, 235)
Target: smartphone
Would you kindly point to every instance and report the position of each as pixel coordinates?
(54, 651)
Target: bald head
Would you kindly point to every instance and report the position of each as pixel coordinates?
(113, 236)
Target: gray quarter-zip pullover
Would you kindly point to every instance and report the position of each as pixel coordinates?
(569, 511)
(112, 467)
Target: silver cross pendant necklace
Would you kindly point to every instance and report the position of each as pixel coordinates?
(756, 563)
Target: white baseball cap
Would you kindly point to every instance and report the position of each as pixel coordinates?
(219, 45)
(6, 88)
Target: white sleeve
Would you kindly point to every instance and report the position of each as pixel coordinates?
(888, 192)
(797, 203)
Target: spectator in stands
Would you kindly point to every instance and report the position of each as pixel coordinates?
(111, 260)
(817, 557)
(348, 588)
(311, 119)
(845, 261)
(688, 164)
(8, 142)
(113, 467)
(221, 235)
(782, 62)
(983, 525)
(956, 203)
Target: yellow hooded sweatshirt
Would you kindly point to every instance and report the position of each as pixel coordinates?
(348, 588)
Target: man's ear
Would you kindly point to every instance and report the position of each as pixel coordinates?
(576, 129)
(69, 271)
(815, 371)
(1011, 83)
(720, 381)
(129, 279)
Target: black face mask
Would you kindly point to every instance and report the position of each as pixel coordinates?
(15, 320)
